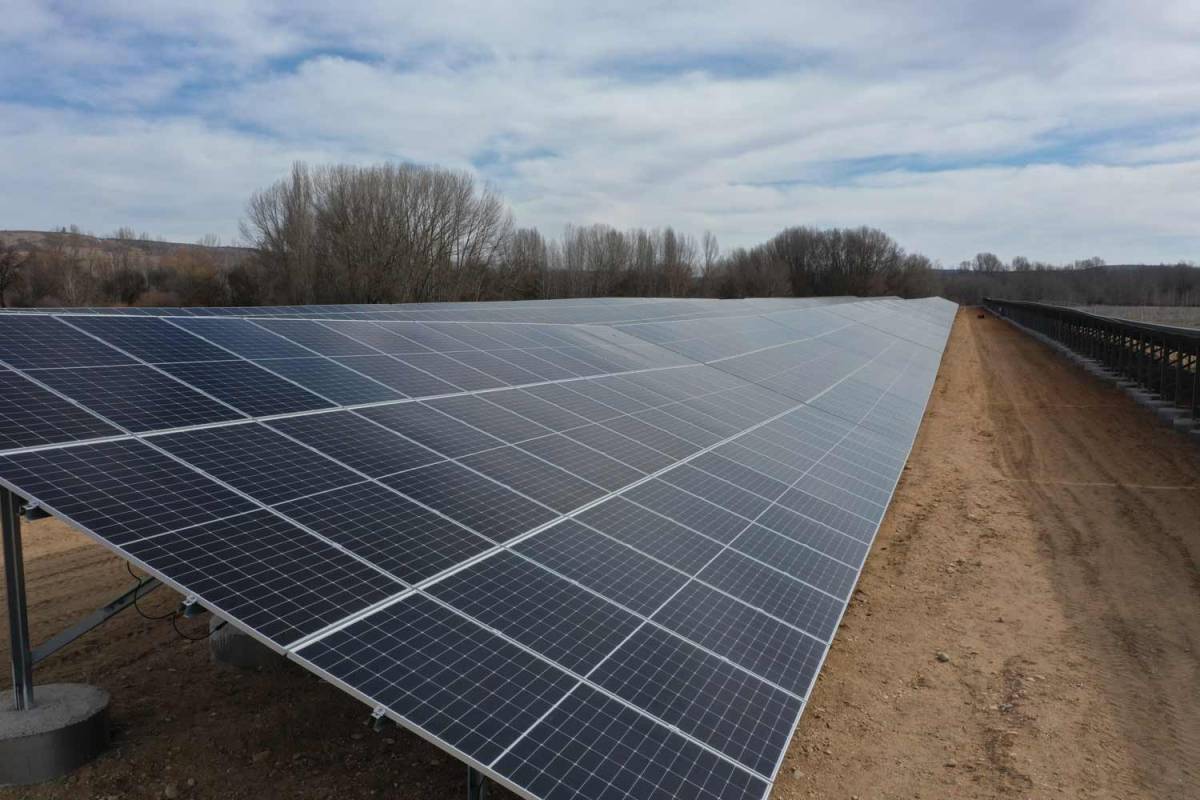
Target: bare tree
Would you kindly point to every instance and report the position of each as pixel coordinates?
(711, 250)
(12, 261)
(386, 233)
(987, 262)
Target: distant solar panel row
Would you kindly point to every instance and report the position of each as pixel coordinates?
(593, 560)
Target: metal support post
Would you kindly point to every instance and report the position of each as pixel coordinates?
(14, 584)
(1177, 384)
(1195, 382)
(477, 784)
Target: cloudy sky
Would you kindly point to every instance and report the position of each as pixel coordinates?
(1056, 129)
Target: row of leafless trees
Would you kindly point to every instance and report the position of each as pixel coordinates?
(395, 233)
(599, 261)
(806, 262)
(1088, 282)
(403, 233)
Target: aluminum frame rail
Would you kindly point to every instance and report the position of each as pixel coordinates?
(1162, 359)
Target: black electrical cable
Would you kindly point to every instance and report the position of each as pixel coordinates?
(175, 625)
(172, 615)
(140, 582)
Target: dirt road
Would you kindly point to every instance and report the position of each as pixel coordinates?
(1045, 539)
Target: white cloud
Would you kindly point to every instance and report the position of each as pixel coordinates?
(1056, 129)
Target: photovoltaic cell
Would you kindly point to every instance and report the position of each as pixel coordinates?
(398, 375)
(816, 535)
(541, 611)
(545, 413)
(122, 490)
(837, 518)
(652, 534)
(494, 419)
(356, 442)
(665, 418)
(688, 510)
(472, 500)
(330, 379)
(651, 436)
(591, 746)
(745, 636)
(564, 396)
(579, 459)
(603, 565)
(251, 390)
(490, 364)
(255, 460)
(780, 595)
(266, 573)
(702, 695)
(31, 415)
(535, 478)
(748, 478)
(384, 528)
(621, 448)
(715, 490)
(29, 341)
(316, 337)
(243, 337)
(437, 431)
(540, 362)
(797, 560)
(443, 673)
(137, 398)
(152, 340)
(424, 335)
(377, 337)
(452, 371)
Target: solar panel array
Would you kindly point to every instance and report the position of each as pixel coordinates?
(596, 549)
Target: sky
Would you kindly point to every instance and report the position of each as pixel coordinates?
(1051, 129)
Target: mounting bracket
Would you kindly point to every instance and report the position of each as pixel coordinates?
(190, 607)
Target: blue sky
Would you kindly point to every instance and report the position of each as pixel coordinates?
(1055, 130)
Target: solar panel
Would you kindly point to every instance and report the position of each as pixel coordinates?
(257, 461)
(597, 549)
(398, 374)
(136, 397)
(357, 442)
(460, 683)
(341, 383)
(248, 388)
(31, 415)
(377, 523)
(532, 606)
(472, 500)
(154, 341)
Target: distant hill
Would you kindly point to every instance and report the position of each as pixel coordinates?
(70, 268)
(145, 252)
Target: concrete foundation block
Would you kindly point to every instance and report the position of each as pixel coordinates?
(1168, 414)
(234, 648)
(66, 728)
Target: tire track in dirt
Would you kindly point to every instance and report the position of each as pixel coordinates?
(1123, 564)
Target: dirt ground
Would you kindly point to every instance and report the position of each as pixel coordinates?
(1044, 540)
